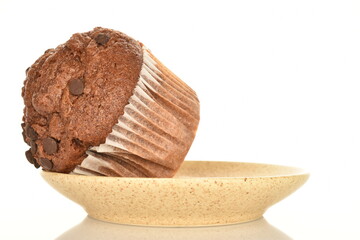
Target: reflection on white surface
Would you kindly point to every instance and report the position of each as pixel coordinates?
(93, 229)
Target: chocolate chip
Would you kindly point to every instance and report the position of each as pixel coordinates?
(26, 71)
(23, 126)
(24, 137)
(50, 145)
(46, 163)
(23, 132)
(33, 147)
(102, 39)
(30, 132)
(36, 165)
(30, 157)
(76, 86)
(77, 142)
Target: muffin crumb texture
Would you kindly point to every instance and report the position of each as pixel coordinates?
(74, 95)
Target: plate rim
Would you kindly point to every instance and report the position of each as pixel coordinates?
(299, 172)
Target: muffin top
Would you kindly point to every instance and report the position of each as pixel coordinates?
(75, 93)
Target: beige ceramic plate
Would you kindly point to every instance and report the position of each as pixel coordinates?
(202, 193)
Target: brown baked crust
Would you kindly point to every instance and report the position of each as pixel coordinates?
(62, 121)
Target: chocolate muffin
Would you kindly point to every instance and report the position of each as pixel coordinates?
(102, 104)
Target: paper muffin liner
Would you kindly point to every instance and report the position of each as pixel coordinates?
(153, 136)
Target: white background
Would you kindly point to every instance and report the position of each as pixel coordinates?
(278, 81)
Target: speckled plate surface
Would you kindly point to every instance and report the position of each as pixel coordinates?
(201, 193)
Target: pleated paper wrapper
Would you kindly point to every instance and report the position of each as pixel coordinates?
(153, 136)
